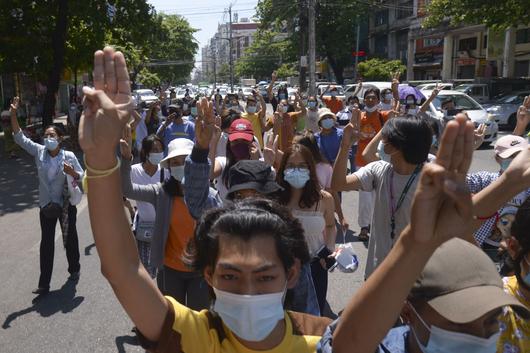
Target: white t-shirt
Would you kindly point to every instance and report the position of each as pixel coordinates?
(324, 173)
(375, 177)
(146, 211)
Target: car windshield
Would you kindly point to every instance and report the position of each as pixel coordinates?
(340, 91)
(511, 99)
(146, 93)
(461, 102)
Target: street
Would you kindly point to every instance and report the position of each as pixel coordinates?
(86, 317)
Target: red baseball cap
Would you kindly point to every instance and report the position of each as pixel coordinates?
(241, 129)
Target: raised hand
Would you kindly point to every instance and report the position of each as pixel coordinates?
(478, 136)
(14, 104)
(523, 113)
(107, 106)
(395, 78)
(274, 76)
(442, 206)
(437, 89)
(126, 142)
(350, 135)
(204, 123)
(271, 149)
(519, 169)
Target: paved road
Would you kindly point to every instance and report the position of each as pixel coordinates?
(86, 317)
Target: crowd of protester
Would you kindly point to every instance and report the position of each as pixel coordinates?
(237, 214)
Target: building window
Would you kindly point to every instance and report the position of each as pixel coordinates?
(522, 36)
(521, 68)
(405, 9)
(381, 18)
(467, 44)
(381, 45)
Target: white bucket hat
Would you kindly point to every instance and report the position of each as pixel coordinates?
(177, 147)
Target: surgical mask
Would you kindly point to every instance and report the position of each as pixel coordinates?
(386, 106)
(282, 96)
(296, 177)
(327, 123)
(388, 97)
(312, 104)
(194, 111)
(381, 152)
(251, 109)
(283, 108)
(185, 107)
(410, 102)
(505, 163)
(250, 317)
(333, 94)
(51, 143)
(412, 111)
(177, 172)
(155, 158)
(240, 150)
(444, 341)
(370, 109)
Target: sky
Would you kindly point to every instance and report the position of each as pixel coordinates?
(205, 15)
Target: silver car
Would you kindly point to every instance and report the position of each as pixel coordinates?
(504, 110)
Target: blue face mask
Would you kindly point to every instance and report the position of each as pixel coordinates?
(194, 111)
(51, 143)
(296, 177)
(505, 163)
(443, 341)
(327, 123)
(381, 152)
(312, 104)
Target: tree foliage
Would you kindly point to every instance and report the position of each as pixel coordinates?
(380, 69)
(493, 13)
(147, 78)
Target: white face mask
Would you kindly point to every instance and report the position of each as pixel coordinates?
(386, 106)
(155, 158)
(388, 97)
(177, 172)
(283, 108)
(250, 317)
(444, 341)
(370, 109)
(327, 123)
(382, 154)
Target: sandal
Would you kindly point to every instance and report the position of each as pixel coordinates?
(363, 235)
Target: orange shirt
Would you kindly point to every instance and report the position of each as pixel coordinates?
(370, 125)
(335, 105)
(181, 227)
(286, 133)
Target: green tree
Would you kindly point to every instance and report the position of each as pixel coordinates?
(380, 69)
(148, 78)
(493, 13)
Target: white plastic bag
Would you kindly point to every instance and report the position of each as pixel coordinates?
(347, 261)
(73, 190)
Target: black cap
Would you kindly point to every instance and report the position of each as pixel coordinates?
(252, 174)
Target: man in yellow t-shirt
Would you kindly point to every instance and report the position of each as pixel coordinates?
(255, 116)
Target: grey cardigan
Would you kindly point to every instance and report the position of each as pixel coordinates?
(163, 204)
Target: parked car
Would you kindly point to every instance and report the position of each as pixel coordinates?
(504, 109)
(478, 91)
(146, 96)
(323, 88)
(474, 110)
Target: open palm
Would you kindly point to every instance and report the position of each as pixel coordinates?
(107, 107)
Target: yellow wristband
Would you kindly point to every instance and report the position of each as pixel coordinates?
(98, 173)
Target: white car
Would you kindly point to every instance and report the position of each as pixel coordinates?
(505, 108)
(350, 89)
(340, 91)
(474, 110)
(431, 86)
(146, 96)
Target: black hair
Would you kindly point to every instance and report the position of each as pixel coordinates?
(521, 231)
(410, 135)
(244, 220)
(374, 91)
(385, 91)
(351, 99)
(147, 146)
(434, 124)
(308, 140)
(58, 130)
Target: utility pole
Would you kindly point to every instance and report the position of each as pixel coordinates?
(303, 45)
(312, 47)
(230, 57)
(357, 47)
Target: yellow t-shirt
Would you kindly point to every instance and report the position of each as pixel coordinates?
(189, 331)
(515, 331)
(256, 126)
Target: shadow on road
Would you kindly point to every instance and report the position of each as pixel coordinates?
(121, 341)
(62, 300)
(19, 184)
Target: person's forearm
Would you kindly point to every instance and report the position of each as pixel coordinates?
(338, 206)
(520, 129)
(370, 152)
(338, 178)
(426, 104)
(14, 122)
(372, 311)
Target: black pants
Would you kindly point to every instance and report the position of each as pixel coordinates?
(320, 280)
(188, 288)
(47, 246)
